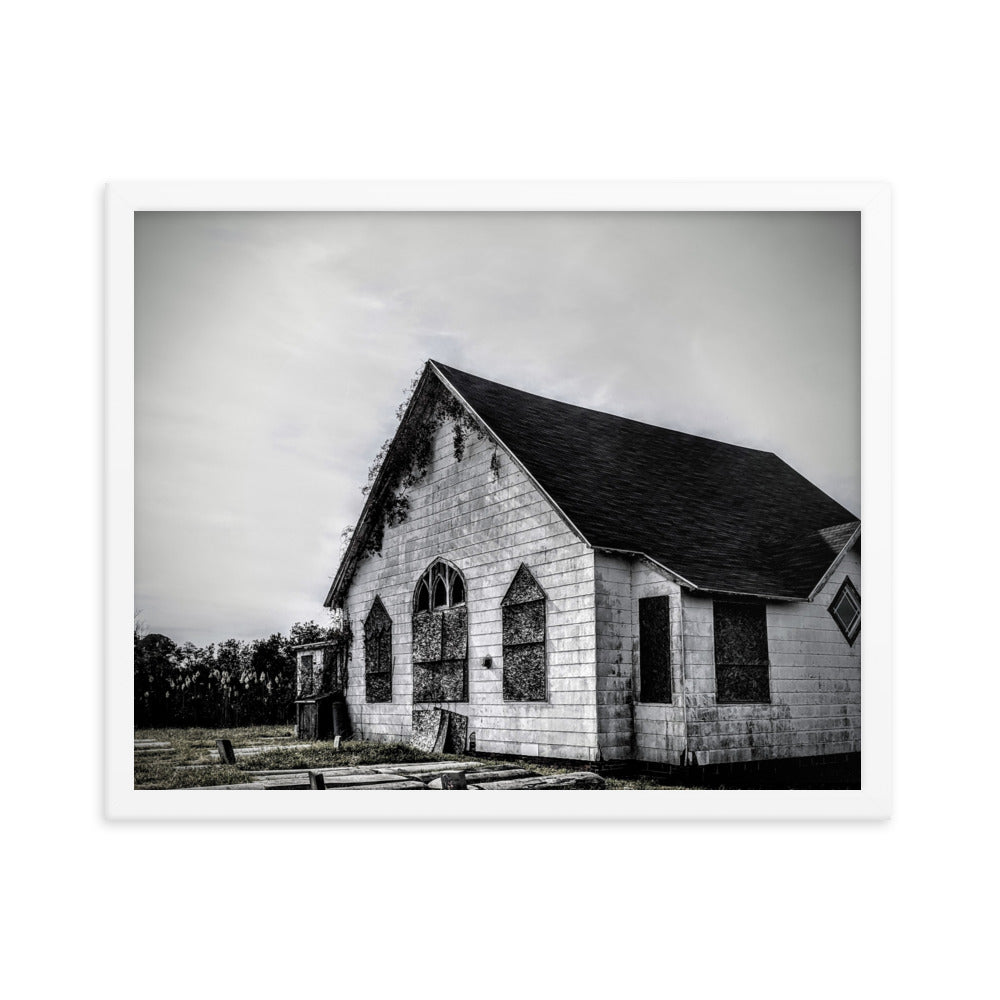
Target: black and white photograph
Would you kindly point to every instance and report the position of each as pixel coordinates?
(589, 405)
(498, 501)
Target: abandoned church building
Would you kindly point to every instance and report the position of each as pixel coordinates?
(576, 585)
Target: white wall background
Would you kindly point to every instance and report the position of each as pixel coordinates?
(868, 91)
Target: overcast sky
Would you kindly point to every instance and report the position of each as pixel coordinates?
(273, 348)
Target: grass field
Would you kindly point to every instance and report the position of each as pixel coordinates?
(169, 768)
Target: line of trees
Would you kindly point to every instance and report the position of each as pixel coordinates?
(231, 683)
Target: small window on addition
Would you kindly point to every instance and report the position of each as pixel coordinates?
(741, 659)
(846, 610)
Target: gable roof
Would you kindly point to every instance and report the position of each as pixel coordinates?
(721, 517)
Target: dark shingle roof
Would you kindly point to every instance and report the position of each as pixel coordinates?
(725, 518)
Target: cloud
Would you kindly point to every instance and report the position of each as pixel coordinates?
(273, 348)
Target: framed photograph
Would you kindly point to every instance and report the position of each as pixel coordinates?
(550, 489)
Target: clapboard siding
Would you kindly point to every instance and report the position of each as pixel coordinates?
(486, 527)
(613, 618)
(659, 727)
(815, 681)
(627, 728)
(815, 676)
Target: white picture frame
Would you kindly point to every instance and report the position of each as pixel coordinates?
(872, 201)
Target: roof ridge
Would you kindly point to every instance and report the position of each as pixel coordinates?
(602, 413)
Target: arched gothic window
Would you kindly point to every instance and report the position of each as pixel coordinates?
(440, 587)
(440, 635)
(523, 612)
(378, 653)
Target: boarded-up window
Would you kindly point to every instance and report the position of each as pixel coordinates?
(741, 661)
(523, 613)
(846, 610)
(654, 650)
(440, 636)
(378, 654)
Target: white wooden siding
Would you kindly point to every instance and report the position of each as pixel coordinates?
(487, 528)
(815, 679)
(627, 728)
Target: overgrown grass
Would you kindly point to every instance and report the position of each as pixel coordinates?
(352, 754)
(172, 769)
(165, 774)
(189, 764)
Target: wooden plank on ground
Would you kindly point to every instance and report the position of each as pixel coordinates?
(429, 767)
(548, 782)
(252, 787)
(391, 786)
(332, 780)
(508, 774)
(450, 781)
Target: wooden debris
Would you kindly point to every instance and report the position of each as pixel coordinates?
(507, 774)
(332, 781)
(548, 782)
(392, 786)
(437, 775)
(431, 767)
(449, 780)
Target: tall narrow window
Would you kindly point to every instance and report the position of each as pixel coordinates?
(741, 660)
(378, 653)
(306, 685)
(846, 610)
(523, 613)
(440, 636)
(654, 650)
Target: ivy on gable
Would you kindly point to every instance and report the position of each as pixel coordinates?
(403, 461)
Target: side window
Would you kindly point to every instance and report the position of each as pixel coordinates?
(378, 653)
(523, 612)
(846, 610)
(305, 686)
(741, 660)
(440, 636)
(654, 650)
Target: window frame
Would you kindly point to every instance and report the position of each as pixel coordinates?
(848, 589)
(440, 572)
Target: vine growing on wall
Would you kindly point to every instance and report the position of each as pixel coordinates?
(403, 462)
